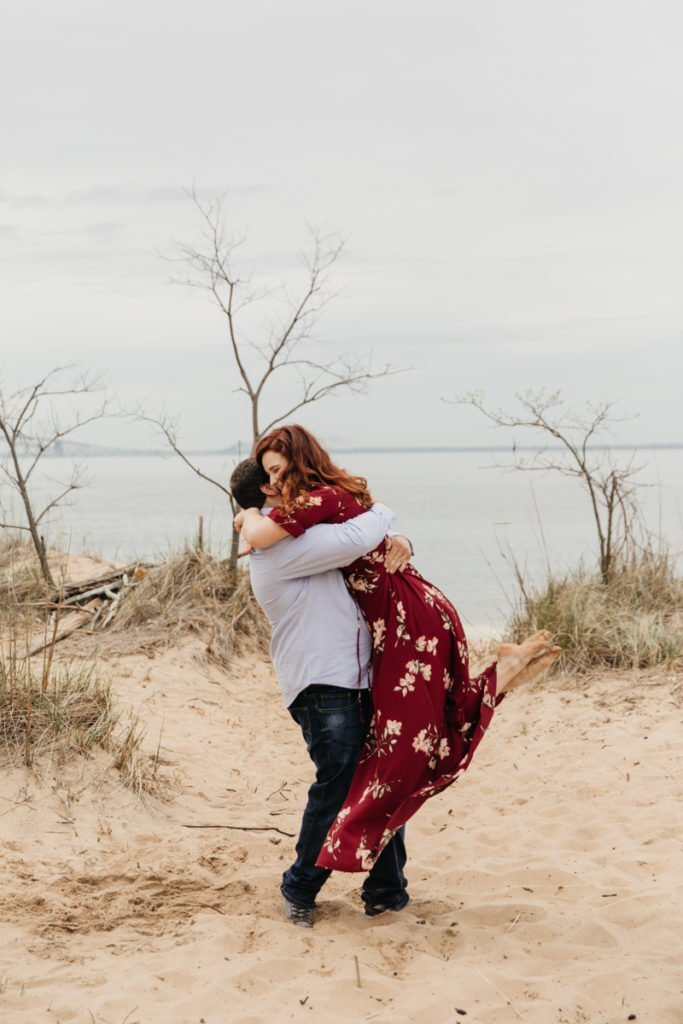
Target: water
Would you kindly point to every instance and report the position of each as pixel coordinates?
(466, 518)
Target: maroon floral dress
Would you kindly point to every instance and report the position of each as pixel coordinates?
(429, 715)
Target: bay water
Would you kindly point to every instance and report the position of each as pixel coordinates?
(469, 519)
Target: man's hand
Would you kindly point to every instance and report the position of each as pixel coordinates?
(398, 554)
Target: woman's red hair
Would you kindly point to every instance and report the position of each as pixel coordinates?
(309, 465)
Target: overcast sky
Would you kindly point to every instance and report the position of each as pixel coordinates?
(508, 173)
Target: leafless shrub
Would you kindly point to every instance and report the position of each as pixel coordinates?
(34, 423)
(568, 444)
(287, 353)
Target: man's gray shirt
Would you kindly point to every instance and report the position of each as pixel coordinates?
(319, 635)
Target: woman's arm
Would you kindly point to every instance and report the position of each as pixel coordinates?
(257, 530)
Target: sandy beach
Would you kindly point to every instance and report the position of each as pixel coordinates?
(423, 255)
(546, 884)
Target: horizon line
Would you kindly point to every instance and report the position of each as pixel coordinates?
(101, 451)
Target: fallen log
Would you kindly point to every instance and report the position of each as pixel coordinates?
(70, 625)
(74, 593)
(102, 594)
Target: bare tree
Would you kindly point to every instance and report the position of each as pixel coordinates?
(33, 424)
(284, 353)
(610, 487)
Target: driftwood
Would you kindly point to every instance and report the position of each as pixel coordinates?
(71, 622)
(107, 585)
(91, 603)
(248, 828)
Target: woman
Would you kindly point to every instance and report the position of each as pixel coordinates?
(429, 715)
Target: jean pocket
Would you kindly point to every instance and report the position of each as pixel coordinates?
(333, 703)
(302, 718)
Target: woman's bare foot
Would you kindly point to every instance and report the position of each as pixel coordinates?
(534, 670)
(513, 658)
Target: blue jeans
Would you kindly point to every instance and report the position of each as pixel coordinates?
(334, 722)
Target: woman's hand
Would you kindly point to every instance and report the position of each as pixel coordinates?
(398, 554)
(258, 531)
(238, 522)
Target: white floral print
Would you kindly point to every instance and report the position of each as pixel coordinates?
(401, 631)
(388, 738)
(376, 789)
(425, 740)
(420, 668)
(332, 842)
(363, 854)
(406, 684)
(364, 584)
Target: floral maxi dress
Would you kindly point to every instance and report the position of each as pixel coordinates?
(429, 716)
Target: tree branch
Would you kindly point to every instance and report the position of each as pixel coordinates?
(21, 440)
(167, 428)
(610, 489)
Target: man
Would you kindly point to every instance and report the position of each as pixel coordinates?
(321, 651)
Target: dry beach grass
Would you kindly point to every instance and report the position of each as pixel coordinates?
(633, 621)
(194, 592)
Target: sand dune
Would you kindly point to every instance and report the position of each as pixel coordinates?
(546, 884)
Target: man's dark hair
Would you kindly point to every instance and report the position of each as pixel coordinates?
(245, 484)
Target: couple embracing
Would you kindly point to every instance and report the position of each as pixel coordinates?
(372, 662)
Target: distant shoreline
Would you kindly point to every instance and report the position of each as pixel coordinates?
(75, 451)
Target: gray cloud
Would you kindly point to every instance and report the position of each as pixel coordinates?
(125, 194)
(158, 194)
(22, 202)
